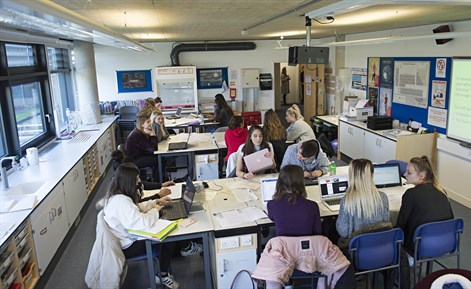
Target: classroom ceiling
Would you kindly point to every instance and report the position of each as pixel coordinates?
(224, 20)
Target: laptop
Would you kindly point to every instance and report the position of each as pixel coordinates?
(257, 161)
(183, 145)
(267, 188)
(333, 188)
(180, 208)
(387, 175)
(177, 114)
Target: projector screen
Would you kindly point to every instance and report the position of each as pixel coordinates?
(459, 111)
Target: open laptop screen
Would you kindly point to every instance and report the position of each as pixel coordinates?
(268, 187)
(387, 175)
(334, 186)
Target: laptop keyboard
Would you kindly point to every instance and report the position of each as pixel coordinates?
(333, 202)
(174, 211)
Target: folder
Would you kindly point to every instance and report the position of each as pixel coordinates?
(159, 231)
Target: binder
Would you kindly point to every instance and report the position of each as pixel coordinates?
(159, 231)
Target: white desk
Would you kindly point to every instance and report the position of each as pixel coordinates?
(187, 123)
(199, 143)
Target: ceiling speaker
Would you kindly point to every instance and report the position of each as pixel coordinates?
(441, 29)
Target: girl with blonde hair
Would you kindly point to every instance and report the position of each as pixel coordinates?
(275, 133)
(298, 130)
(158, 124)
(363, 205)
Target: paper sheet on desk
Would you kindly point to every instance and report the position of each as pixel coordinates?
(242, 195)
(239, 216)
(26, 203)
(176, 192)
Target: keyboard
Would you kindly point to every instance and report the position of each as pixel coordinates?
(333, 202)
(174, 211)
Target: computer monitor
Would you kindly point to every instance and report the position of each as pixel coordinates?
(387, 175)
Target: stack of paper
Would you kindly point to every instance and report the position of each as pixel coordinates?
(239, 216)
(160, 230)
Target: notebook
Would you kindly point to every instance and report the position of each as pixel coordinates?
(177, 114)
(179, 145)
(267, 188)
(333, 188)
(387, 175)
(257, 161)
(180, 208)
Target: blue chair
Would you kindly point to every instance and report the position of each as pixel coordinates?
(155, 257)
(402, 165)
(436, 240)
(373, 252)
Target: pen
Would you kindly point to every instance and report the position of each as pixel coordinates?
(253, 194)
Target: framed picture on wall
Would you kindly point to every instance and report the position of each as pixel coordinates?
(134, 81)
(209, 78)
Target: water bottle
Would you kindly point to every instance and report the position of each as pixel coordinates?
(333, 169)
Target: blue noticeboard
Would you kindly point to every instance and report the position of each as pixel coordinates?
(134, 81)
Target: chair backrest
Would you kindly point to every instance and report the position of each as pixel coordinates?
(402, 165)
(128, 112)
(222, 129)
(437, 238)
(231, 164)
(376, 250)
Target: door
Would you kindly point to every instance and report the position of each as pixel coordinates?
(75, 191)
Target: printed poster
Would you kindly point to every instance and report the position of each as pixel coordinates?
(386, 72)
(439, 93)
(359, 78)
(411, 83)
(373, 99)
(440, 68)
(373, 71)
(437, 117)
(385, 100)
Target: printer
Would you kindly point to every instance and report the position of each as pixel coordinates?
(361, 110)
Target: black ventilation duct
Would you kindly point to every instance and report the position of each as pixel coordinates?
(208, 47)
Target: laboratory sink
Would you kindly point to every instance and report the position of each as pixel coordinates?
(24, 189)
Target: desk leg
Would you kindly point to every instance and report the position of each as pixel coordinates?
(207, 262)
(160, 169)
(150, 264)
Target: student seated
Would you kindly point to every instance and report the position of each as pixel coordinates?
(363, 206)
(298, 130)
(122, 211)
(255, 142)
(158, 125)
(292, 212)
(142, 142)
(275, 133)
(309, 156)
(222, 111)
(158, 103)
(426, 202)
(236, 135)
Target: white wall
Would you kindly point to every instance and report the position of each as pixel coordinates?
(109, 59)
(453, 168)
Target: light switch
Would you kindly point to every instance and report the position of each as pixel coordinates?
(246, 240)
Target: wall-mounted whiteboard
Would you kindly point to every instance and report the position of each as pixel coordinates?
(459, 111)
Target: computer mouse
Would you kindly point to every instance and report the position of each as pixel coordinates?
(205, 185)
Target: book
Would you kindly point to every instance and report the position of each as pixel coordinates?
(159, 231)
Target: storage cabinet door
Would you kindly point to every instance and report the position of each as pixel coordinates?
(352, 140)
(49, 226)
(75, 191)
(379, 149)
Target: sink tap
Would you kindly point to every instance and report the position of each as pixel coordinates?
(4, 171)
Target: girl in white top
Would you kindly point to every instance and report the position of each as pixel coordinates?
(255, 142)
(122, 211)
(299, 130)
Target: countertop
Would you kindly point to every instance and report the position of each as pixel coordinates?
(52, 169)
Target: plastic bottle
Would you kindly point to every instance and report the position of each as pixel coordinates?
(333, 168)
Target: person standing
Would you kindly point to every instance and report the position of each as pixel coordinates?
(284, 84)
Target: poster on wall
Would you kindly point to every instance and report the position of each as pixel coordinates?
(386, 72)
(385, 99)
(373, 71)
(359, 78)
(209, 78)
(438, 93)
(373, 99)
(411, 82)
(440, 68)
(134, 81)
(437, 117)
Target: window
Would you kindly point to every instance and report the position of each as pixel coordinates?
(61, 83)
(25, 100)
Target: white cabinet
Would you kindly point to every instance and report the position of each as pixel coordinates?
(75, 191)
(379, 149)
(352, 141)
(207, 167)
(50, 225)
(250, 78)
(104, 150)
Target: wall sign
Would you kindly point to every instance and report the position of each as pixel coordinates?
(134, 81)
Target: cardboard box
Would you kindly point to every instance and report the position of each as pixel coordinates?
(349, 102)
